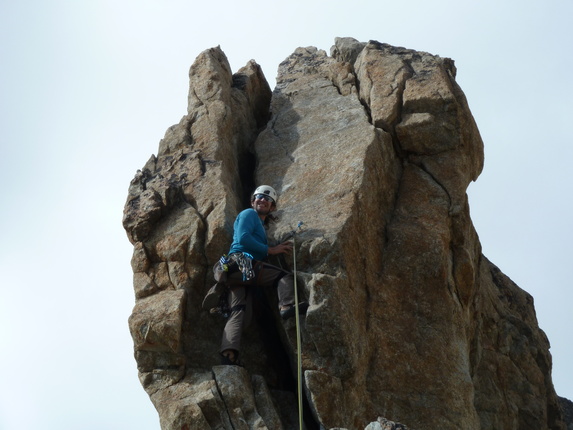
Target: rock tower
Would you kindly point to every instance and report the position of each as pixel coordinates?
(373, 148)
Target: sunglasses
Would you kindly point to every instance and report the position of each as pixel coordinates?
(263, 197)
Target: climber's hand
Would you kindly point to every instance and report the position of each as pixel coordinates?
(282, 248)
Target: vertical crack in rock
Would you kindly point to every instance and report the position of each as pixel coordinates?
(219, 389)
(435, 179)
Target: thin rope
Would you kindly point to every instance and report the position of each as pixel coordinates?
(298, 341)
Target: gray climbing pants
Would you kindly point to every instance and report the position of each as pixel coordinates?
(241, 300)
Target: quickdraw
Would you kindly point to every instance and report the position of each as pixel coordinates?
(244, 262)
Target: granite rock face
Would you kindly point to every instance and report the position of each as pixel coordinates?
(373, 148)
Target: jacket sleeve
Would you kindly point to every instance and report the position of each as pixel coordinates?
(250, 230)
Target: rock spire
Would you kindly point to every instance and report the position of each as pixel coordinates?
(373, 147)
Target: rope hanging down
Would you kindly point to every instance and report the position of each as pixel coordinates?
(298, 340)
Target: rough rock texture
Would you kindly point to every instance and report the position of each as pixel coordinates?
(372, 148)
(567, 406)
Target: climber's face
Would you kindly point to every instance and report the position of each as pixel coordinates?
(263, 204)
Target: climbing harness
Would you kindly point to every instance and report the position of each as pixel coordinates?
(298, 340)
(216, 300)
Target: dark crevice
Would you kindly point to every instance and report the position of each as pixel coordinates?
(278, 360)
(203, 165)
(367, 109)
(247, 168)
(396, 144)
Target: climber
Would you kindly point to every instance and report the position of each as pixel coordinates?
(245, 266)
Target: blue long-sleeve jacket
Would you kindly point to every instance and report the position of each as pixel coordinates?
(249, 235)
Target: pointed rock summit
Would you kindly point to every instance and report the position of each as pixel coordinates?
(409, 326)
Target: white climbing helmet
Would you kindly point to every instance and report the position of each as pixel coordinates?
(269, 191)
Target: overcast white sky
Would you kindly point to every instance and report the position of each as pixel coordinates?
(87, 90)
